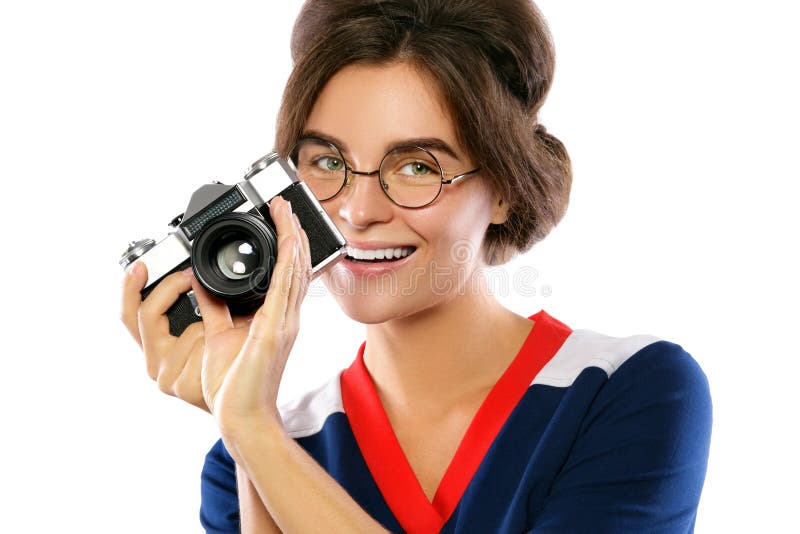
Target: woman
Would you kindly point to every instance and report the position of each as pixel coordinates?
(416, 124)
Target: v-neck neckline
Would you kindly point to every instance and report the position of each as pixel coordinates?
(385, 457)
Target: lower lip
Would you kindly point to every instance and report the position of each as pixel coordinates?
(374, 268)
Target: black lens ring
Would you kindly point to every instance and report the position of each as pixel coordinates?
(207, 271)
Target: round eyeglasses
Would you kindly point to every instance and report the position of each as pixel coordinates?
(410, 176)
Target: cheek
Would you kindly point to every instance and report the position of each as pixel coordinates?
(457, 236)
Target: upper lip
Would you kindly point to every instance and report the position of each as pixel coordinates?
(376, 245)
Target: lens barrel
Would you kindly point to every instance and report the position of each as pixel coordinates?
(233, 257)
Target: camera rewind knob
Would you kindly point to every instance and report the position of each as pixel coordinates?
(135, 250)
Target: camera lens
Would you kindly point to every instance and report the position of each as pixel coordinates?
(237, 259)
(233, 257)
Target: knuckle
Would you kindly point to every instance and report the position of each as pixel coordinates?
(294, 328)
(165, 383)
(288, 328)
(179, 282)
(171, 285)
(186, 389)
(173, 279)
(192, 331)
(179, 389)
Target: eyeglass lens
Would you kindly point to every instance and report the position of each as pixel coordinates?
(410, 176)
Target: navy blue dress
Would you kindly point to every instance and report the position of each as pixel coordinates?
(582, 433)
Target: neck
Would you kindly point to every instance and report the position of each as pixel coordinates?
(444, 355)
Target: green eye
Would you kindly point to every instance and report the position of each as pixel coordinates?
(416, 169)
(330, 164)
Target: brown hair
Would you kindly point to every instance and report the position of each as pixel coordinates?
(494, 63)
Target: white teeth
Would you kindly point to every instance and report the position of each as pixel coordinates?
(379, 254)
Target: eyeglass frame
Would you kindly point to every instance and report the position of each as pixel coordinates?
(346, 182)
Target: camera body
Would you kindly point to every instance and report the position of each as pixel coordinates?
(227, 237)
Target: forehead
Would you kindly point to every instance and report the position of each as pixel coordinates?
(370, 107)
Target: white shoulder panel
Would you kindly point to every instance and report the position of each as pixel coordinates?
(305, 415)
(585, 348)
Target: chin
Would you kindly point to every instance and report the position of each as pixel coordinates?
(373, 303)
(369, 310)
(377, 309)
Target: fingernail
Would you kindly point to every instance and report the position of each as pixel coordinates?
(187, 272)
(288, 207)
(135, 269)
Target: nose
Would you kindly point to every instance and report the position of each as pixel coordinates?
(362, 201)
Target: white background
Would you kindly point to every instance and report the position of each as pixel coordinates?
(681, 119)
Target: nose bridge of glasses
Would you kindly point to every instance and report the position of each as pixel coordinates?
(363, 173)
(352, 172)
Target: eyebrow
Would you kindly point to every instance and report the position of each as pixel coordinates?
(430, 143)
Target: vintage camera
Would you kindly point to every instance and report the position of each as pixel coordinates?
(229, 239)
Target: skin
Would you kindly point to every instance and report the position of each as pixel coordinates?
(232, 367)
(423, 396)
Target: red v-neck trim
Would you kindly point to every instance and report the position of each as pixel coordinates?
(385, 458)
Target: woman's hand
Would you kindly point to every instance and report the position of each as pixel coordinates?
(242, 365)
(177, 363)
(173, 362)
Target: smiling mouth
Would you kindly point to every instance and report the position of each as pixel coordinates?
(386, 255)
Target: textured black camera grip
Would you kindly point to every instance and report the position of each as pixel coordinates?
(181, 314)
(320, 239)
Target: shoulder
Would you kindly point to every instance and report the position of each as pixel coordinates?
(641, 381)
(626, 375)
(630, 357)
(586, 348)
(306, 414)
(638, 414)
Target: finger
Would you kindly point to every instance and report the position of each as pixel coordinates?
(290, 227)
(153, 322)
(272, 314)
(305, 250)
(168, 366)
(159, 356)
(189, 336)
(302, 271)
(281, 212)
(216, 315)
(132, 285)
(189, 386)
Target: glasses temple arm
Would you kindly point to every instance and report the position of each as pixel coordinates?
(460, 176)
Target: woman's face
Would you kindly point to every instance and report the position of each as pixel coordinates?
(364, 110)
